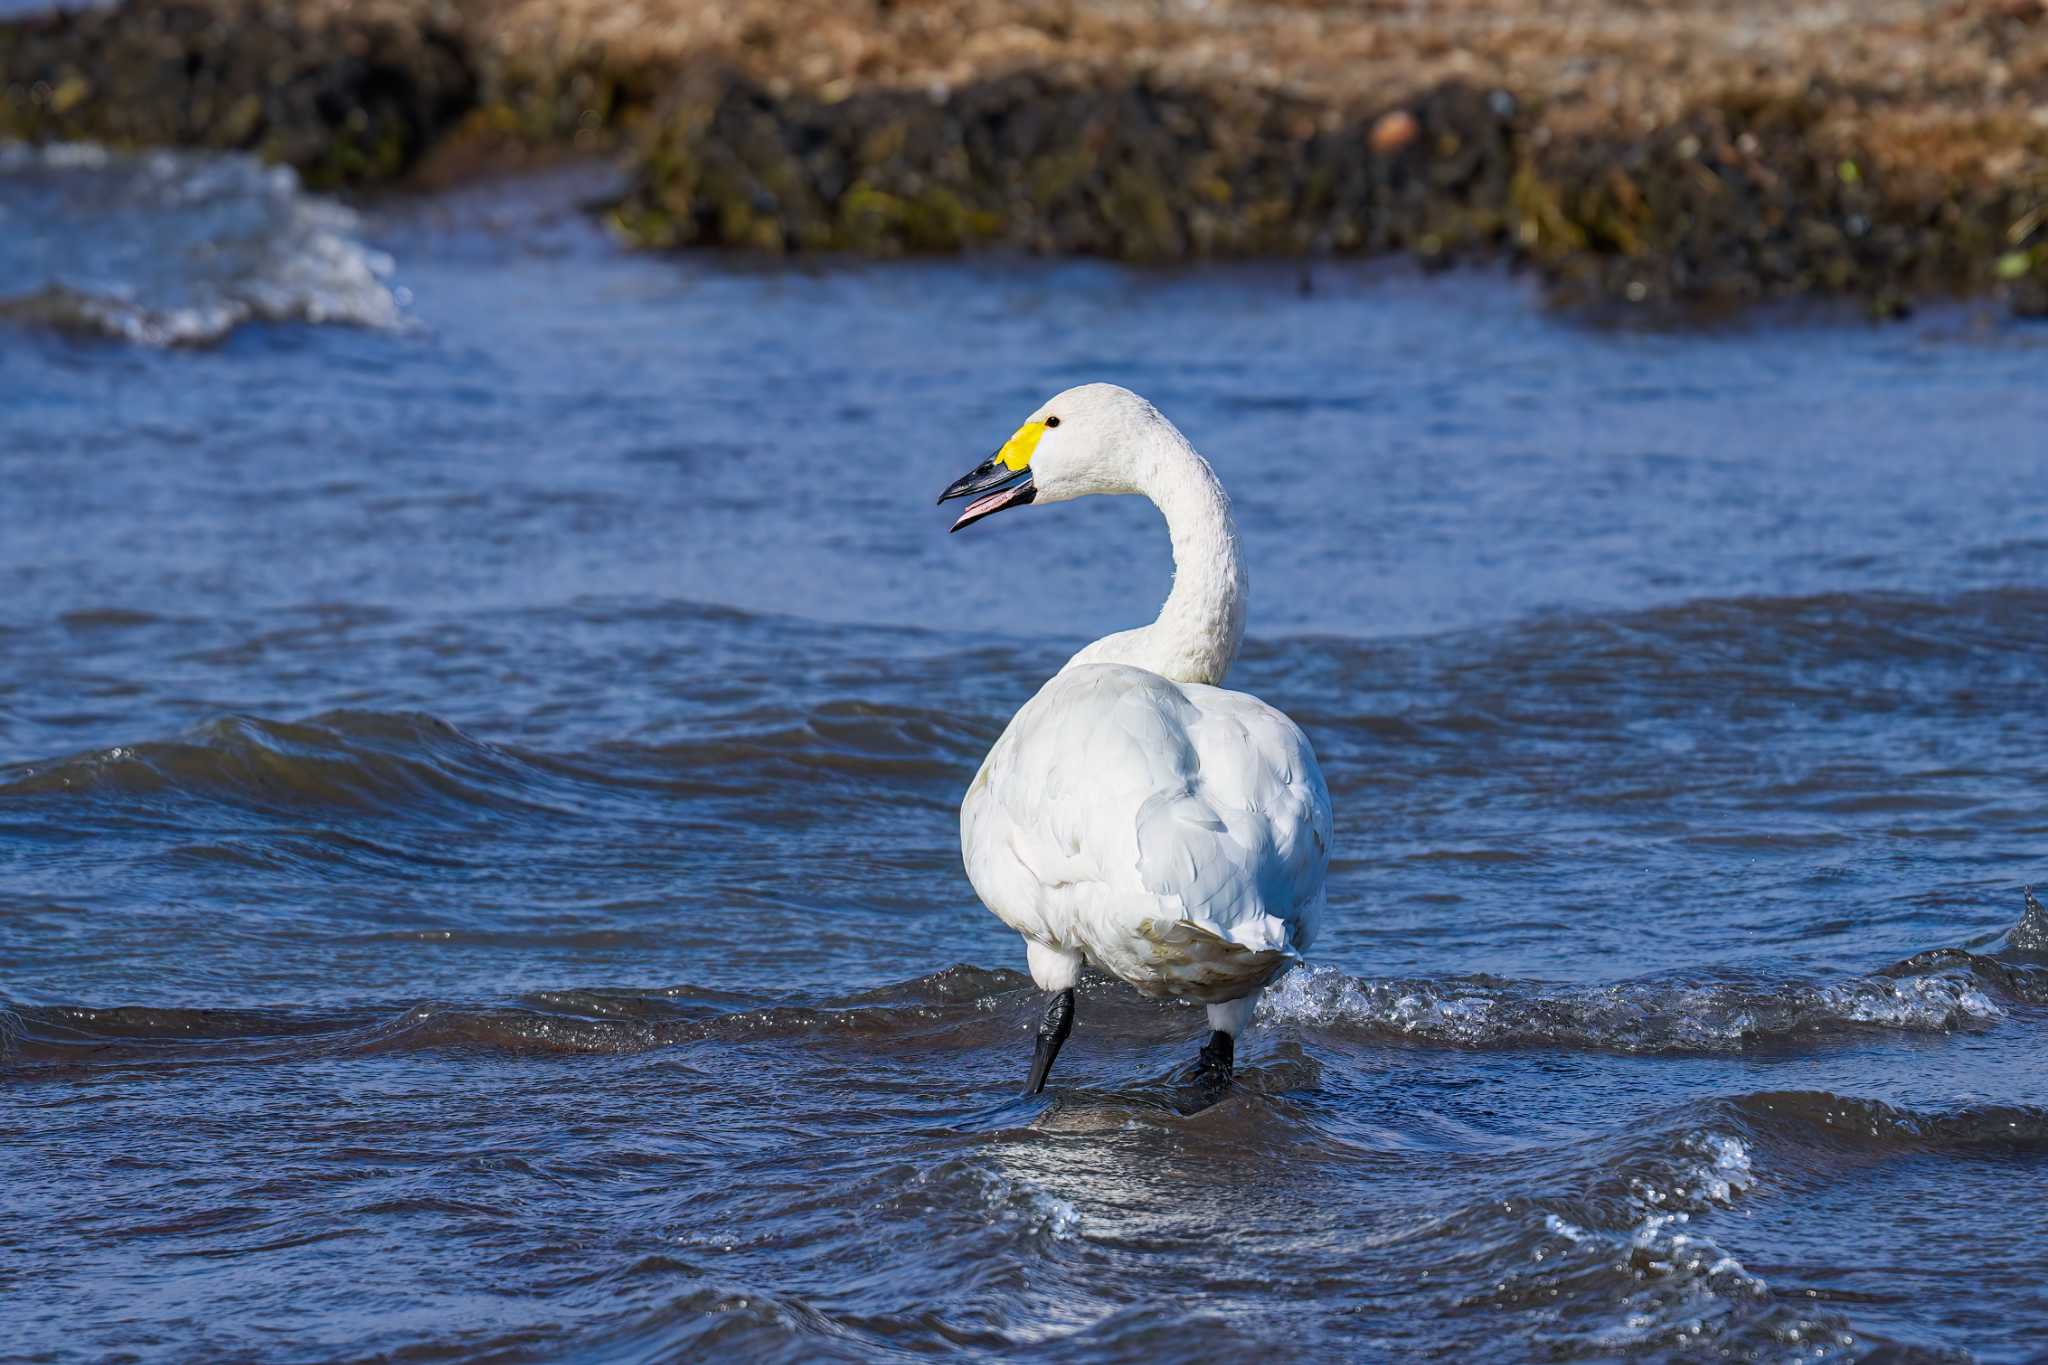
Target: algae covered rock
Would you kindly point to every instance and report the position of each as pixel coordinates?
(344, 98)
(1132, 170)
(1911, 163)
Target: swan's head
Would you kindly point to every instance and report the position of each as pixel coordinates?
(1086, 440)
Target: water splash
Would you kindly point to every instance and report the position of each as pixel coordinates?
(2030, 935)
(1661, 1016)
(991, 1196)
(172, 248)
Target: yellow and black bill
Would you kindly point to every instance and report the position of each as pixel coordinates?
(999, 485)
(1002, 480)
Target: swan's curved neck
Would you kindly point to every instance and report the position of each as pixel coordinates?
(1201, 626)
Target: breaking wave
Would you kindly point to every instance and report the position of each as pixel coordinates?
(1627, 1251)
(1654, 1016)
(1944, 990)
(179, 248)
(987, 1195)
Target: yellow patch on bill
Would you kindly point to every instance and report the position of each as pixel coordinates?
(1016, 452)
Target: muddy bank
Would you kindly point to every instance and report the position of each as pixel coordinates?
(1698, 156)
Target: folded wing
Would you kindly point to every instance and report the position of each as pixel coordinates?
(1152, 824)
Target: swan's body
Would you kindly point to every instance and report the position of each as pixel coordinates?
(1174, 835)
(1135, 814)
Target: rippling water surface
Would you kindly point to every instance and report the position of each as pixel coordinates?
(481, 725)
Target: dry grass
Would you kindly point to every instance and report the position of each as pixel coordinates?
(1900, 72)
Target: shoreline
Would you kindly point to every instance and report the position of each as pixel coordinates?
(1691, 158)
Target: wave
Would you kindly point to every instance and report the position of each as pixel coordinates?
(1608, 1246)
(1626, 1252)
(1872, 622)
(1603, 1247)
(2030, 935)
(1674, 1016)
(1943, 990)
(350, 760)
(872, 750)
(1814, 1116)
(957, 1005)
(1808, 648)
(981, 1193)
(179, 248)
(63, 1036)
(870, 755)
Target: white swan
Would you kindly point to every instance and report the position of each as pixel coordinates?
(1134, 814)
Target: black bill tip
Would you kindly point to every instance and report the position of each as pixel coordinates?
(985, 477)
(993, 485)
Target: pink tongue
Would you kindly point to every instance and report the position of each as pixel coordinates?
(993, 502)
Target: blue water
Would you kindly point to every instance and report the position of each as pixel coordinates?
(482, 721)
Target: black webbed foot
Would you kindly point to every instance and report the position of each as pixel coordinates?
(1210, 1075)
(1052, 1032)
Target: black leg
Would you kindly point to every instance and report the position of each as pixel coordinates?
(1052, 1031)
(1212, 1067)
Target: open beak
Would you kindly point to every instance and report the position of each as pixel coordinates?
(994, 486)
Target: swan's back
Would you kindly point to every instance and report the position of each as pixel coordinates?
(1177, 833)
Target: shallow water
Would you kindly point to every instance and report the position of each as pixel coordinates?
(478, 778)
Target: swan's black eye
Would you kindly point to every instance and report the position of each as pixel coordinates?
(1052, 421)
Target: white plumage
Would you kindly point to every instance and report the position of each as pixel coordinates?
(1134, 814)
(1174, 834)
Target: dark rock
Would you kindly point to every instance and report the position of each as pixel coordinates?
(1135, 171)
(1742, 197)
(344, 101)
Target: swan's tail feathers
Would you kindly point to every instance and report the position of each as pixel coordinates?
(1195, 961)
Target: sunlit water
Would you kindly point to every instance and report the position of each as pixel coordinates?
(480, 738)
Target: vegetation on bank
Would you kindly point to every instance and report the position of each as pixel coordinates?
(1692, 157)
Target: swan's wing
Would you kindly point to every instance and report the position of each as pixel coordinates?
(1047, 828)
(1119, 804)
(1245, 848)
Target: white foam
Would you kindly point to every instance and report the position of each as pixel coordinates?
(1647, 1016)
(177, 248)
(1921, 1002)
(1686, 1278)
(1656, 1281)
(1005, 1198)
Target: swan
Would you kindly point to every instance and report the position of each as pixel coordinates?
(1134, 814)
